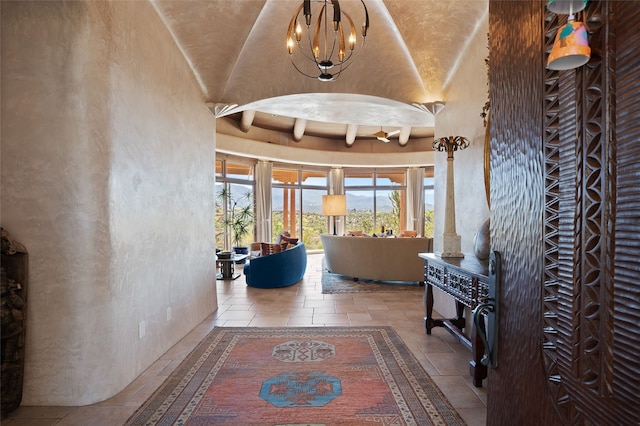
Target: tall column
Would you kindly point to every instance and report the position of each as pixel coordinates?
(451, 246)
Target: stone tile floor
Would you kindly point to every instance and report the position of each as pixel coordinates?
(302, 304)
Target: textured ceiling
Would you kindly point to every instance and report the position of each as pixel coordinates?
(237, 51)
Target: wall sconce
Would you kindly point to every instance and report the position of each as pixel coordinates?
(571, 47)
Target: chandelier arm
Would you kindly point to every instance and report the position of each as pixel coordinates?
(300, 71)
(341, 45)
(307, 11)
(365, 27)
(347, 62)
(306, 54)
(316, 44)
(336, 38)
(352, 32)
(342, 66)
(291, 29)
(336, 14)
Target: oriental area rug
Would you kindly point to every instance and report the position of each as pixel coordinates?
(298, 376)
(336, 283)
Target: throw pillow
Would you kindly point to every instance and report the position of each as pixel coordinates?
(268, 248)
(408, 234)
(290, 240)
(282, 235)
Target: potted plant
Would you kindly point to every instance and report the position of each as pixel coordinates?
(239, 217)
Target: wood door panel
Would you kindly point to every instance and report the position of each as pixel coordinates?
(571, 291)
(587, 321)
(626, 322)
(517, 388)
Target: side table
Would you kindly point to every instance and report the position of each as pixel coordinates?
(227, 267)
(467, 281)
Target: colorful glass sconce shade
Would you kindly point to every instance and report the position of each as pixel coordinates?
(571, 47)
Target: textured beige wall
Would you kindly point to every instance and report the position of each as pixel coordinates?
(465, 97)
(108, 179)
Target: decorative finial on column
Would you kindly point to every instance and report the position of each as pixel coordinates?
(451, 240)
(450, 144)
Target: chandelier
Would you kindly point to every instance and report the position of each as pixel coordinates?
(328, 51)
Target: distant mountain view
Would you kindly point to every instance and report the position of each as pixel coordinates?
(363, 201)
(313, 200)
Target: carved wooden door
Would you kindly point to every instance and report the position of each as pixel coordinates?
(565, 200)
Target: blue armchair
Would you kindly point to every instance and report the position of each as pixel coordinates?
(277, 270)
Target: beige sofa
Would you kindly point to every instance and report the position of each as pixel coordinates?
(383, 259)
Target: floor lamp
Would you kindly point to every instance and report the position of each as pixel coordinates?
(334, 205)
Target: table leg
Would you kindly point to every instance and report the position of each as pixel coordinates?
(459, 321)
(429, 322)
(227, 270)
(477, 370)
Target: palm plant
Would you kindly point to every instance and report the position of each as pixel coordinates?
(239, 217)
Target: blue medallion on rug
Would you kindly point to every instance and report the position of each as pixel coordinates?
(313, 389)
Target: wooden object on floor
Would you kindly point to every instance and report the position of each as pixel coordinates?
(15, 266)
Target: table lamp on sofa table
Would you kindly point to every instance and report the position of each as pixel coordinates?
(334, 205)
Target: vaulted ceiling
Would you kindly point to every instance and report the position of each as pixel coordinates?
(238, 53)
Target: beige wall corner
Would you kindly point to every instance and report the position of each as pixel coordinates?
(110, 192)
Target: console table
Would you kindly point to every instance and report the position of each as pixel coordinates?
(466, 280)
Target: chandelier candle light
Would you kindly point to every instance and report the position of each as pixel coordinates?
(328, 52)
(451, 240)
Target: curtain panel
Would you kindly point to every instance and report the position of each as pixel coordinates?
(263, 200)
(415, 200)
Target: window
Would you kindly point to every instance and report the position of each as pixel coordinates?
(296, 203)
(390, 200)
(429, 213)
(234, 204)
(375, 200)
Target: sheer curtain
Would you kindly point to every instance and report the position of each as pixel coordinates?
(415, 199)
(336, 187)
(263, 201)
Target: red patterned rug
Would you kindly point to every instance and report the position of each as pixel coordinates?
(294, 376)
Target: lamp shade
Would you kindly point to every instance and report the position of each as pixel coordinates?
(334, 205)
(571, 47)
